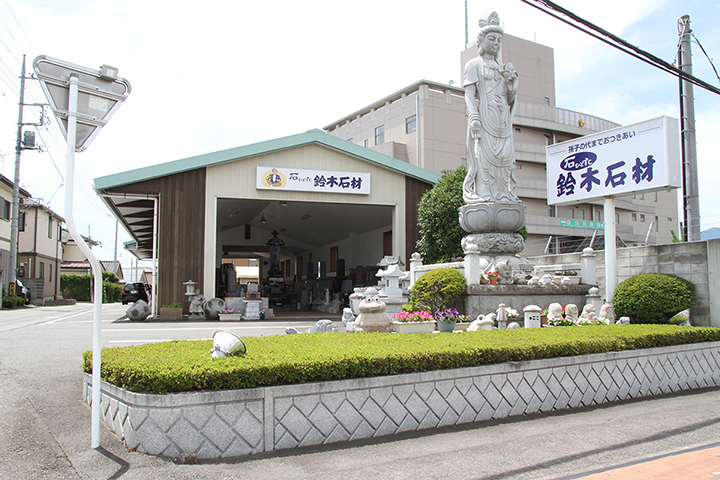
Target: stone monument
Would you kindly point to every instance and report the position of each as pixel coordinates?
(493, 214)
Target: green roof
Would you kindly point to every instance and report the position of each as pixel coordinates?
(215, 158)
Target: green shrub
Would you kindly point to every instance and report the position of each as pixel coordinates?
(78, 287)
(437, 289)
(653, 297)
(172, 305)
(186, 365)
(112, 292)
(12, 302)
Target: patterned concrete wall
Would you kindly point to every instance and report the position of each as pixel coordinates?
(242, 422)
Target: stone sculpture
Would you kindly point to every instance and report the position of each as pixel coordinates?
(555, 312)
(481, 323)
(505, 271)
(322, 326)
(490, 90)
(493, 214)
(588, 313)
(348, 319)
(196, 306)
(571, 312)
(373, 317)
(138, 311)
(502, 316)
(607, 312)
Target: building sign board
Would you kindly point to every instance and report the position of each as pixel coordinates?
(642, 157)
(581, 224)
(304, 180)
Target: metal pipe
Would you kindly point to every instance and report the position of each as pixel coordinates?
(97, 271)
(610, 249)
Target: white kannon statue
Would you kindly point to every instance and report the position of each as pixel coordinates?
(490, 89)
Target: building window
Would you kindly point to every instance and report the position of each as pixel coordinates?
(634, 217)
(571, 213)
(518, 166)
(598, 216)
(387, 243)
(642, 217)
(657, 224)
(5, 211)
(50, 227)
(411, 124)
(365, 143)
(581, 214)
(42, 270)
(50, 272)
(551, 211)
(350, 140)
(642, 196)
(547, 100)
(518, 129)
(379, 134)
(617, 218)
(21, 222)
(548, 139)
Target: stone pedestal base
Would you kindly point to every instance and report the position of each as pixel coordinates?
(492, 217)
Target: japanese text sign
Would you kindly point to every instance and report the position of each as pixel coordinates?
(304, 180)
(641, 157)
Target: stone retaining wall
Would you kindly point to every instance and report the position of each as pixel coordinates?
(242, 422)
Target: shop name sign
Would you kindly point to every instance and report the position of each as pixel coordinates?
(304, 180)
(642, 157)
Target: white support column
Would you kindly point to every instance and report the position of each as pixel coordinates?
(610, 249)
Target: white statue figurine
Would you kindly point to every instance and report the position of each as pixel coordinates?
(490, 89)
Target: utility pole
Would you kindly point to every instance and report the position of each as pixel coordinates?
(16, 190)
(691, 193)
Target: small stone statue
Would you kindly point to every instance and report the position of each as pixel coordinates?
(555, 312)
(322, 326)
(196, 306)
(348, 319)
(506, 273)
(502, 316)
(546, 279)
(607, 312)
(373, 317)
(588, 313)
(481, 323)
(571, 312)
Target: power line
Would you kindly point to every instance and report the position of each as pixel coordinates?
(615, 41)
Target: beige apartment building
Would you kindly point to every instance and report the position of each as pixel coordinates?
(424, 124)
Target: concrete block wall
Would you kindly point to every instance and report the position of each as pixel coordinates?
(698, 262)
(235, 423)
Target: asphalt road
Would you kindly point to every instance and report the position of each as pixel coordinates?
(45, 425)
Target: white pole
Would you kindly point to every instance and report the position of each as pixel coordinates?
(97, 271)
(610, 249)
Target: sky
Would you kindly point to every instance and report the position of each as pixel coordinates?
(207, 76)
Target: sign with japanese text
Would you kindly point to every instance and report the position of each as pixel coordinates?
(304, 180)
(581, 224)
(641, 157)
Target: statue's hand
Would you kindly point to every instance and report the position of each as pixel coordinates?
(475, 129)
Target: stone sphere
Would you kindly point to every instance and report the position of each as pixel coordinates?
(138, 311)
(212, 308)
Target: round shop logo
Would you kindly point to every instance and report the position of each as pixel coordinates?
(273, 178)
(578, 161)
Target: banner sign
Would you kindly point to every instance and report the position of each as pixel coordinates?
(642, 157)
(304, 180)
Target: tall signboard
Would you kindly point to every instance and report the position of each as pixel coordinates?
(638, 158)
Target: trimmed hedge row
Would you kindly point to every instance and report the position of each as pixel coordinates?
(184, 365)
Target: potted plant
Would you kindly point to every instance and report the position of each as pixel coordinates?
(572, 276)
(171, 312)
(493, 276)
(448, 318)
(230, 315)
(512, 314)
(543, 316)
(483, 279)
(418, 321)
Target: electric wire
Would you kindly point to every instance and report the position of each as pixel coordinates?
(616, 42)
(706, 56)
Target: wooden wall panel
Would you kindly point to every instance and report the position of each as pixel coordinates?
(414, 190)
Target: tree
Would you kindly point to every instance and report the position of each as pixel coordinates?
(438, 218)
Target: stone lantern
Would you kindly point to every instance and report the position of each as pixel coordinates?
(532, 316)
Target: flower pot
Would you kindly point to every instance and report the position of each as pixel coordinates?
(462, 327)
(543, 319)
(170, 314)
(445, 326)
(493, 280)
(230, 317)
(574, 279)
(414, 327)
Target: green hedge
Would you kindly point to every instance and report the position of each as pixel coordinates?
(12, 302)
(186, 365)
(653, 297)
(78, 287)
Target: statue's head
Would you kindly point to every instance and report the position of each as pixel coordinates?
(491, 31)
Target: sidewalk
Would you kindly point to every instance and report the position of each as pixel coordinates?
(703, 463)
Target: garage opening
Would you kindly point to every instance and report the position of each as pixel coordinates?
(307, 255)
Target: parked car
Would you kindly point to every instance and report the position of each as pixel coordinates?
(132, 292)
(22, 291)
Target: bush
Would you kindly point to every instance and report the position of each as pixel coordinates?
(78, 287)
(437, 288)
(653, 297)
(186, 365)
(12, 302)
(112, 292)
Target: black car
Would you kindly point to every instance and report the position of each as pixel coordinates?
(132, 292)
(22, 291)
